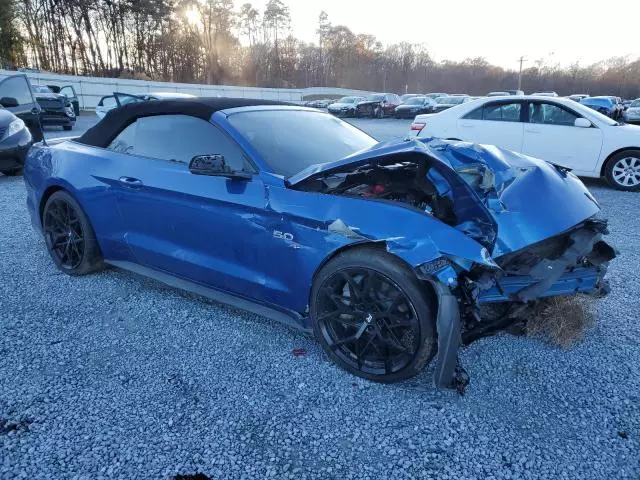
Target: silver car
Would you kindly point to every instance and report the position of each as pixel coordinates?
(632, 114)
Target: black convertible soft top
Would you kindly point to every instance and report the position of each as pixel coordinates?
(103, 133)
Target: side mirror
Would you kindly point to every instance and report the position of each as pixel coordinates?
(582, 123)
(214, 166)
(8, 102)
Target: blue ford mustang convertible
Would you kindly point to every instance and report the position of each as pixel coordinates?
(388, 252)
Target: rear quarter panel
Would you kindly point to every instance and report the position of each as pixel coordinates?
(77, 169)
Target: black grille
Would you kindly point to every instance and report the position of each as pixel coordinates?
(50, 103)
(2, 130)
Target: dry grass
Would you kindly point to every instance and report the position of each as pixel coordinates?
(562, 320)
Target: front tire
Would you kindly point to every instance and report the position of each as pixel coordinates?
(623, 171)
(69, 236)
(372, 315)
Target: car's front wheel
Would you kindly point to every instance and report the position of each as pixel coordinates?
(623, 170)
(372, 315)
(69, 236)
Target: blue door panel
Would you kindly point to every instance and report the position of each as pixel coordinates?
(197, 227)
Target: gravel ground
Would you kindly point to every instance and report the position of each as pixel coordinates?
(115, 376)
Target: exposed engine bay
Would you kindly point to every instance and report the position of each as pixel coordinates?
(401, 181)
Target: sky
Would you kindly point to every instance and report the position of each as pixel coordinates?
(556, 31)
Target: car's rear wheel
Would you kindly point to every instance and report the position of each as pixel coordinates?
(372, 315)
(623, 170)
(69, 236)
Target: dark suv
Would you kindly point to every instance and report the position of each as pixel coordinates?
(16, 96)
(56, 107)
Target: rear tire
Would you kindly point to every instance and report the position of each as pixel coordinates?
(623, 170)
(372, 315)
(69, 236)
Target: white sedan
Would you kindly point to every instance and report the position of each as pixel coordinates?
(558, 130)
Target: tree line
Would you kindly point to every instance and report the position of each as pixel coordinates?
(210, 41)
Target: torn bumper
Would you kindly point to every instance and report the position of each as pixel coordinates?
(581, 280)
(571, 263)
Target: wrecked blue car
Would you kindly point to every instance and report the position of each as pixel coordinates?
(387, 252)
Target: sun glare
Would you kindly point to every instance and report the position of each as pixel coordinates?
(192, 15)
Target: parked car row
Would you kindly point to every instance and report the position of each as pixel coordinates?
(380, 105)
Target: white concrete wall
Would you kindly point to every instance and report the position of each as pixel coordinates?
(91, 89)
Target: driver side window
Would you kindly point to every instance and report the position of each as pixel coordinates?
(548, 114)
(178, 138)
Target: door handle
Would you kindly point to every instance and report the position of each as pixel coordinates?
(466, 125)
(130, 182)
(531, 130)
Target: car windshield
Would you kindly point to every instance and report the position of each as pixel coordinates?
(414, 101)
(347, 100)
(41, 89)
(288, 139)
(450, 100)
(635, 103)
(375, 98)
(588, 112)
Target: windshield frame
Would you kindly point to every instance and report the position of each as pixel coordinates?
(227, 119)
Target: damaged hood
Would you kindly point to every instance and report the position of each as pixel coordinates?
(528, 199)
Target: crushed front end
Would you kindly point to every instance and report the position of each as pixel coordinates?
(482, 226)
(574, 262)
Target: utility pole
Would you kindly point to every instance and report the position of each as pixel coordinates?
(521, 60)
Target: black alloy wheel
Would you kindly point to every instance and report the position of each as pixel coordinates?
(63, 234)
(70, 239)
(371, 325)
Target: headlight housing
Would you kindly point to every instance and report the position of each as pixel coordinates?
(13, 128)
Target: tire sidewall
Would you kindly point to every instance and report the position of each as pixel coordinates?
(91, 258)
(612, 162)
(391, 267)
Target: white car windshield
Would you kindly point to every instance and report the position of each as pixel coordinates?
(635, 104)
(588, 112)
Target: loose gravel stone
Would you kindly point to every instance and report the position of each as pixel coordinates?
(115, 376)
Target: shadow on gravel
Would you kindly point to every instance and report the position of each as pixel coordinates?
(21, 425)
(196, 476)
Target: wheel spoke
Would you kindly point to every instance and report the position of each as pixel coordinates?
(354, 289)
